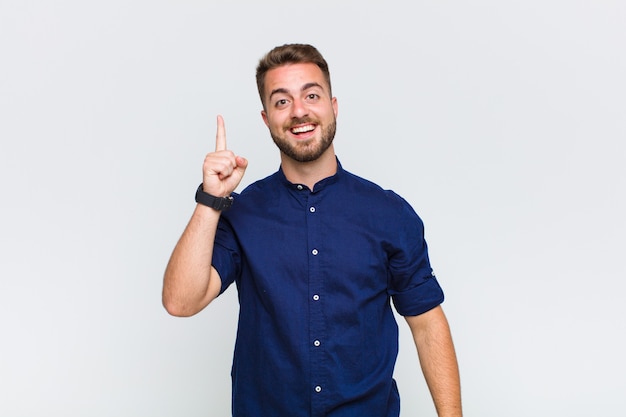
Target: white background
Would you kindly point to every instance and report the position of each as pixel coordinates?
(502, 122)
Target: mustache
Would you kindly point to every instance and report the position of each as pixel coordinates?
(300, 121)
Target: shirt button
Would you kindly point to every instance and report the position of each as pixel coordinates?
(316, 297)
(317, 343)
(299, 187)
(314, 252)
(318, 389)
(312, 209)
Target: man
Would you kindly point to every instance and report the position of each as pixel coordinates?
(317, 254)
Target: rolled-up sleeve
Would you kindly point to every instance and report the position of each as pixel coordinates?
(419, 299)
(226, 258)
(412, 284)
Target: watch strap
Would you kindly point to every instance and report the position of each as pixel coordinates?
(217, 203)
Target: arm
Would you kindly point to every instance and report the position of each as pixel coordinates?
(190, 282)
(435, 349)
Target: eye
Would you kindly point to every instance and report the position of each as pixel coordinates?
(280, 103)
(312, 96)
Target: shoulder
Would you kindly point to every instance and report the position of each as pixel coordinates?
(259, 187)
(255, 198)
(368, 191)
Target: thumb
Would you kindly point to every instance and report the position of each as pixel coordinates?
(242, 163)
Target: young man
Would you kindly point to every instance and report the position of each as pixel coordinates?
(317, 255)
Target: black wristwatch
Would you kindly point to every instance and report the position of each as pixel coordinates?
(217, 203)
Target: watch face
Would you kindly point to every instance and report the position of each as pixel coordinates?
(225, 203)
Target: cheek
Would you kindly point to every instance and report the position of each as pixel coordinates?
(274, 127)
(276, 122)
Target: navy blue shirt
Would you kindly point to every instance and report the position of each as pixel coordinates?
(315, 272)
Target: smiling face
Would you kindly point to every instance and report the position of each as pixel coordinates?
(299, 111)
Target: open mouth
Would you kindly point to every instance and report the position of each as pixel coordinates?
(299, 130)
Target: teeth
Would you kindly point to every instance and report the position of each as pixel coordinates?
(303, 129)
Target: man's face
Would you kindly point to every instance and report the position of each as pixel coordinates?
(299, 111)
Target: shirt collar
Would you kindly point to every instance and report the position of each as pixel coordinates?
(320, 185)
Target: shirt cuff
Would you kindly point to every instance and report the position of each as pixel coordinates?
(419, 299)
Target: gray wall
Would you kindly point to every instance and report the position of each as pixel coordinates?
(501, 122)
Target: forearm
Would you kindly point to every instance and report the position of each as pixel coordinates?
(188, 285)
(437, 356)
(190, 282)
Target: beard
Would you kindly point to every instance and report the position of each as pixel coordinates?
(309, 150)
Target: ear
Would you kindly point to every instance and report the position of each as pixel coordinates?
(335, 105)
(265, 120)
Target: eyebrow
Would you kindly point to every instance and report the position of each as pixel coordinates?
(304, 88)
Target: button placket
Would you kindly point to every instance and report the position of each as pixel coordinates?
(316, 279)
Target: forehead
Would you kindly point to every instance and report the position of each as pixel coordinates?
(292, 77)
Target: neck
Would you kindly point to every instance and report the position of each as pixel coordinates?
(309, 173)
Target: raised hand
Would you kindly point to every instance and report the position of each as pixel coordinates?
(222, 170)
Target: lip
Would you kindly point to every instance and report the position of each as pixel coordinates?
(301, 131)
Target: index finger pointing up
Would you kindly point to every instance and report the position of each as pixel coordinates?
(220, 137)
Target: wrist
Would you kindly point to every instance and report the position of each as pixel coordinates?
(216, 203)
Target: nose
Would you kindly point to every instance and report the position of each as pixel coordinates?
(299, 109)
